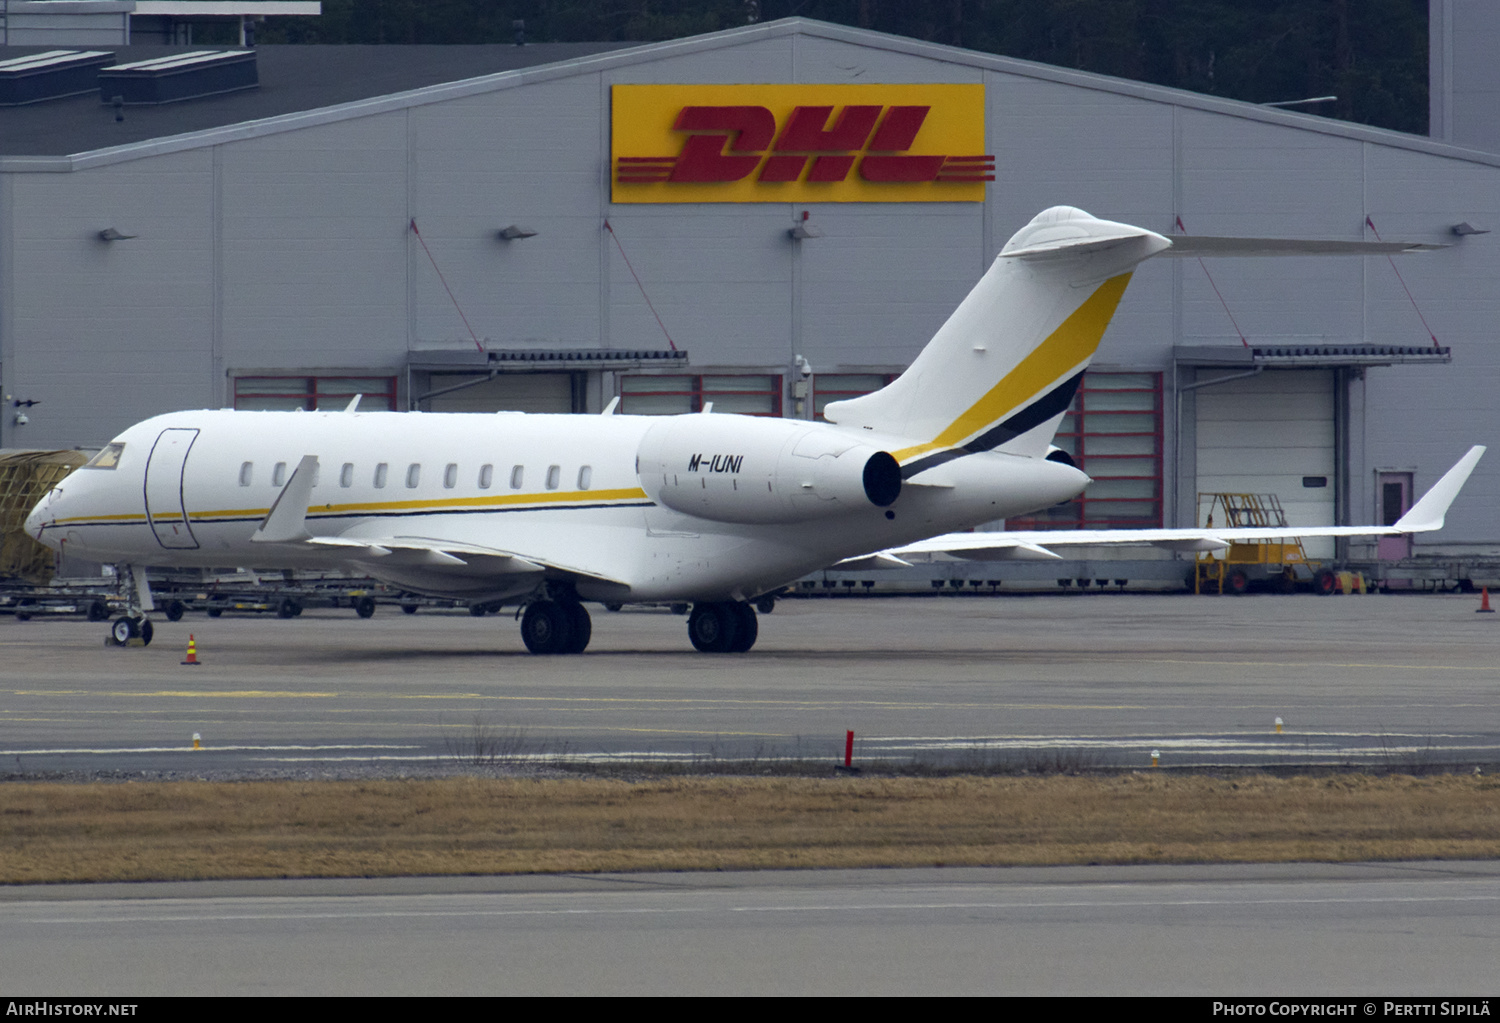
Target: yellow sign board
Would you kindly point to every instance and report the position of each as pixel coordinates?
(798, 143)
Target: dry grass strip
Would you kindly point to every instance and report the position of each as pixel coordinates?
(185, 830)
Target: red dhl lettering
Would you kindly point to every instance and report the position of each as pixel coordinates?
(730, 143)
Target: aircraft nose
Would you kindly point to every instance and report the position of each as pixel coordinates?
(41, 515)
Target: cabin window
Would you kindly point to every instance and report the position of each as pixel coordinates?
(517, 476)
(486, 476)
(413, 474)
(247, 473)
(554, 476)
(585, 477)
(107, 458)
(346, 475)
(278, 475)
(380, 471)
(450, 476)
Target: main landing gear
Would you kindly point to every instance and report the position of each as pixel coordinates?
(558, 624)
(723, 627)
(556, 627)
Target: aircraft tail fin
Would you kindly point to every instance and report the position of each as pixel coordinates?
(1003, 369)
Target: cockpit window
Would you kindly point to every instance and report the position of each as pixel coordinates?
(106, 459)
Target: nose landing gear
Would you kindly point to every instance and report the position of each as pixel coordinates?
(133, 628)
(130, 632)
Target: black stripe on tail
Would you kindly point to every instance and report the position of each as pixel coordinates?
(1038, 412)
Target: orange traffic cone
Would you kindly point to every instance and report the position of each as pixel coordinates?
(192, 654)
(1484, 602)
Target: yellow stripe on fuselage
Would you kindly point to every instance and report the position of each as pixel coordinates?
(1075, 339)
(539, 501)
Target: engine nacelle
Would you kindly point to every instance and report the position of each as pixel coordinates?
(742, 469)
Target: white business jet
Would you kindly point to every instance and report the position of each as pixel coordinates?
(550, 511)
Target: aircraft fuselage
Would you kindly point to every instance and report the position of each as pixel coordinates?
(682, 508)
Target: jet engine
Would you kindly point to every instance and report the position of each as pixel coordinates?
(743, 469)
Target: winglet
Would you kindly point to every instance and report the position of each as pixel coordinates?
(1427, 514)
(286, 522)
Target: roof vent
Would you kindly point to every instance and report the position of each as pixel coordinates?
(183, 76)
(50, 75)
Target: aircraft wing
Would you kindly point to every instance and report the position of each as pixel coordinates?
(433, 552)
(287, 524)
(1425, 516)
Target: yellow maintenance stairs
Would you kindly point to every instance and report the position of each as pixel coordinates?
(1280, 564)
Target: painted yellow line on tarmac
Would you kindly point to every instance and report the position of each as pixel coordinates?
(216, 694)
(628, 700)
(1329, 664)
(701, 702)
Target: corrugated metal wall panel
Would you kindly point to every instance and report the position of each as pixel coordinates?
(1264, 434)
(108, 333)
(314, 246)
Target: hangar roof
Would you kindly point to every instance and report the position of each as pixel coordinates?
(292, 79)
(306, 85)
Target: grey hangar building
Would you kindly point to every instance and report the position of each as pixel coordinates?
(478, 229)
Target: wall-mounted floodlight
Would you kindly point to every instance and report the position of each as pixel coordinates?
(803, 230)
(109, 234)
(511, 233)
(1465, 229)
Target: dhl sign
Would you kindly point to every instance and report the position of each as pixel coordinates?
(798, 143)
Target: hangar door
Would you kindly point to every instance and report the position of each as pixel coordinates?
(1272, 434)
(508, 392)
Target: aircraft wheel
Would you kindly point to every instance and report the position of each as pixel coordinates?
(364, 607)
(547, 628)
(714, 627)
(147, 631)
(98, 611)
(123, 631)
(580, 625)
(747, 628)
(765, 605)
(174, 610)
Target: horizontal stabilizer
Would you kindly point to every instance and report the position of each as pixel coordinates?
(1209, 245)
